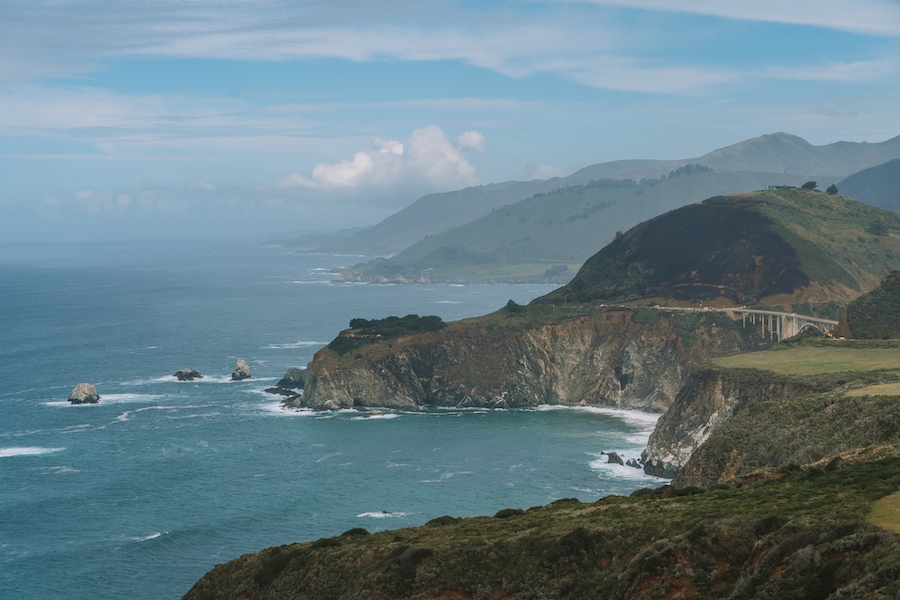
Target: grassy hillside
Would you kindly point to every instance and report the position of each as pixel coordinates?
(876, 315)
(801, 534)
(561, 227)
(769, 247)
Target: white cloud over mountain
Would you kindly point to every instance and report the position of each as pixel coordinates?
(427, 161)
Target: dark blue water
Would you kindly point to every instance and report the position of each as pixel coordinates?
(141, 494)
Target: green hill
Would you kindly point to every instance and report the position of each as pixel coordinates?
(875, 315)
(560, 228)
(780, 246)
(878, 186)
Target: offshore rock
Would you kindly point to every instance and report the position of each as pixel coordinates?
(614, 458)
(293, 380)
(708, 399)
(599, 357)
(187, 375)
(84, 393)
(241, 370)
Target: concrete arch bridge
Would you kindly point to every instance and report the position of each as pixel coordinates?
(780, 325)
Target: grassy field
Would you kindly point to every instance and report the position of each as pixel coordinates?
(812, 360)
(884, 389)
(886, 513)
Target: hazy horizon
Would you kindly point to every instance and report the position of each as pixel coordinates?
(209, 119)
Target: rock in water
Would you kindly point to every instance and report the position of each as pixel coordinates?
(84, 393)
(293, 380)
(187, 375)
(241, 370)
(614, 458)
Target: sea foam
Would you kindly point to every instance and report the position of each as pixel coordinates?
(381, 514)
(27, 451)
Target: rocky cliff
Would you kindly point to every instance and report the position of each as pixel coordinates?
(845, 417)
(709, 398)
(618, 357)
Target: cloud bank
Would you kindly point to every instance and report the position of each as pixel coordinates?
(426, 162)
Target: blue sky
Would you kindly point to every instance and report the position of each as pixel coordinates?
(170, 118)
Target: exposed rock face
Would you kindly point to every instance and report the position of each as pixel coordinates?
(293, 379)
(821, 429)
(187, 375)
(290, 387)
(710, 397)
(601, 358)
(84, 393)
(241, 370)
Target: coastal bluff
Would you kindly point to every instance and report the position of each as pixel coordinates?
(619, 357)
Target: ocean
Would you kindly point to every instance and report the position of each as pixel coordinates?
(141, 494)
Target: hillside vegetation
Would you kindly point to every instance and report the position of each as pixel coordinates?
(852, 409)
(876, 315)
(801, 534)
(771, 247)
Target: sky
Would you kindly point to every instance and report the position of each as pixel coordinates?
(166, 119)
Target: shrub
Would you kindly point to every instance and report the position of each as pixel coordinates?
(646, 316)
(508, 512)
(512, 307)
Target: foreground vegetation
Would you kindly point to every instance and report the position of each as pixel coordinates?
(798, 534)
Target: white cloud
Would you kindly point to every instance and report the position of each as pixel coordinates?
(875, 17)
(426, 161)
(849, 72)
(471, 140)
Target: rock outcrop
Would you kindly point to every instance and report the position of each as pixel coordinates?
(617, 357)
(710, 397)
(187, 375)
(241, 370)
(293, 379)
(84, 393)
(289, 386)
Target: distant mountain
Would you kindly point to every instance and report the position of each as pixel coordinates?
(548, 236)
(769, 247)
(773, 153)
(782, 152)
(433, 214)
(878, 186)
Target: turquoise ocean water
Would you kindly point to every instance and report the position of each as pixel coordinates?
(140, 495)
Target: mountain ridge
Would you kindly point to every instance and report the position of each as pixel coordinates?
(776, 152)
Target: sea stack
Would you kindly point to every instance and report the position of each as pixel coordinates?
(241, 370)
(187, 375)
(84, 393)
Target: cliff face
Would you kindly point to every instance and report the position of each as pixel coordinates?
(711, 397)
(611, 357)
(823, 428)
